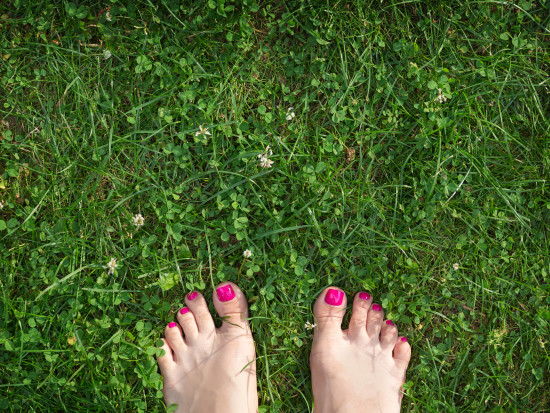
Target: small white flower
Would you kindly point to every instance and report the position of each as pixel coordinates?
(310, 326)
(202, 131)
(290, 114)
(247, 253)
(265, 162)
(138, 221)
(1, 205)
(455, 265)
(441, 97)
(111, 265)
(108, 16)
(107, 54)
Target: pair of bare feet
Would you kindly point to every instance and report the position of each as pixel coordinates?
(209, 369)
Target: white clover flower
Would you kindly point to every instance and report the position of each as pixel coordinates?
(138, 221)
(310, 326)
(202, 131)
(111, 265)
(247, 253)
(108, 16)
(290, 113)
(455, 265)
(265, 162)
(107, 54)
(441, 97)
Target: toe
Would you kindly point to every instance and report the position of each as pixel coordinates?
(166, 361)
(186, 319)
(388, 335)
(402, 353)
(174, 339)
(329, 309)
(374, 322)
(358, 321)
(230, 302)
(197, 304)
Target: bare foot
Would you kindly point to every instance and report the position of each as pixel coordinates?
(362, 368)
(211, 370)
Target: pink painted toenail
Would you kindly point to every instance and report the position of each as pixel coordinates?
(184, 310)
(364, 296)
(390, 323)
(172, 325)
(192, 295)
(404, 339)
(334, 297)
(377, 307)
(225, 293)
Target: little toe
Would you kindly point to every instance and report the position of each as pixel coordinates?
(402, 353)
(358, 321)
(374, 322)
(166, 361)
(174, 338)
(388, 335)
(230, 302)
(188, 324)
(329, 309)
(197, 304)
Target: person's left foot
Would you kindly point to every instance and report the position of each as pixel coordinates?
(211, 370)
(361, 369)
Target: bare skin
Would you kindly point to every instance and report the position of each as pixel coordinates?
(208, 369)
(361, 369)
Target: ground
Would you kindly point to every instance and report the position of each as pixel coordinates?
(398, 148)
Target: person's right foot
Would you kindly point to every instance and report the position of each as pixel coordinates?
(361, 369)
(211, 370)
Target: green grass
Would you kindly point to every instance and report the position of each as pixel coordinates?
(375, 186)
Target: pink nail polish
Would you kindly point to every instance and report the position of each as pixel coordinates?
(377, 307)
(172, 325)
(192, 295)
(334, 297)
(364, 296)
(225, 293)
(404, 339)
(389, 322)
(184, 310)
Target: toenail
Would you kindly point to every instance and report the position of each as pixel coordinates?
(225, 293)
(404, 339)
(364, 296)
(192, 295)
(334, 297)
(389, 322)
(172, 325)
(377, 307)
(184, 310)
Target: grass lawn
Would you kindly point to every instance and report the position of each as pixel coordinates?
(410, 150)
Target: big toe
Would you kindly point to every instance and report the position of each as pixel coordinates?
(230, 302)
(329, 309)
